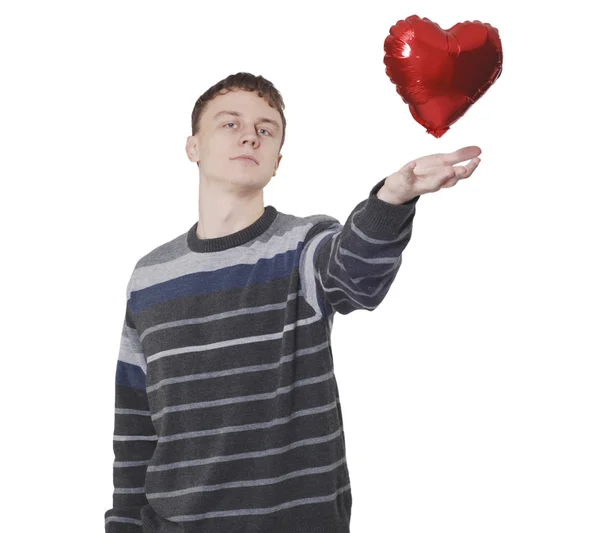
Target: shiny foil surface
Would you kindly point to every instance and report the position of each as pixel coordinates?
(440, 73)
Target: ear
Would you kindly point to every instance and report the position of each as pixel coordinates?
(192, 149)
(277, 164)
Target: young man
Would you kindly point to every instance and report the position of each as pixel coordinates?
(227, 413)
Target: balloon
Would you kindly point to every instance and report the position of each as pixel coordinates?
(440, 73)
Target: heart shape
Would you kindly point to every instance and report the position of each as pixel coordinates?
(440, 73)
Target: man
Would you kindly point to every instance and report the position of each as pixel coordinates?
(227, 412)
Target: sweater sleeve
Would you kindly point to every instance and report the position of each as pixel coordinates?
(134, 438)
(355, 263)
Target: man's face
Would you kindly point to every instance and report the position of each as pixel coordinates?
(223, 136)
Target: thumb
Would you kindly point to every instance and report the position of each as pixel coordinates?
(407, 170)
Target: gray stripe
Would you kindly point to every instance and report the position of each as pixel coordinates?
(130, 350)
(248, 483)
(123, 519)
(248, 427)
(349, 291)
(371, 240)
(126, 438)
(188, 263)
(242, 399)
(218, 316)
(246, 455)
(395, 261)
(344, 295)
(126, 464)
(135, 490)
(341, 282)
(336, 234)
(264, 510)
(380, 274)
(233, 342)
(369, 260)
(382, 283)
(307, 270)
(120, 411)
(240, 370)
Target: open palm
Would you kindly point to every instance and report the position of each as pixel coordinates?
(433, 172)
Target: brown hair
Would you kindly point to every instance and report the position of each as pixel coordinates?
(246, 82)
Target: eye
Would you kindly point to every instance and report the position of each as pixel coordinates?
(261, 129)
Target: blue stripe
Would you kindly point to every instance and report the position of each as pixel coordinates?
(233, 277)
(131, 376)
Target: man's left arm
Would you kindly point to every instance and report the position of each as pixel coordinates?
(356, 263)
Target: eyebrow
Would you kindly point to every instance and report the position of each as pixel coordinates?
(237, 114)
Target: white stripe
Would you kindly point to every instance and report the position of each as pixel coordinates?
(238, 370)
(233, 342)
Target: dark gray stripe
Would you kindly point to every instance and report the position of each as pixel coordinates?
(233, 342)
(247, 483)
(265, 510)
(246, 455)
(243, 399)
(218, 316)
(240, 370)
(246, 427)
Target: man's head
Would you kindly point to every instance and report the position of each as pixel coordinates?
(240, 115)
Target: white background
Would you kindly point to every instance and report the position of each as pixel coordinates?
(470, 396)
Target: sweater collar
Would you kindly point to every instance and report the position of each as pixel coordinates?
(218, 244)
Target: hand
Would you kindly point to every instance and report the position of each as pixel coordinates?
(429, 174)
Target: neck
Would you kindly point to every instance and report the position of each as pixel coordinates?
(222, 212)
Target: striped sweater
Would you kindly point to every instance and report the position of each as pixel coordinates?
(227, 413)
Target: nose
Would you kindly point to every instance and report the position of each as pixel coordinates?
(253, 140)
(250, 136)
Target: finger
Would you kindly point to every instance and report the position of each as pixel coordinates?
(436, 176)
(409, 168)
(407, 171)
(463, 154)
(450, 183)
(440, 179)
(461, 172)
(448, 180)
(470, 168)
(464, 171)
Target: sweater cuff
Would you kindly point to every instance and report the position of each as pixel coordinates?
(384, 220)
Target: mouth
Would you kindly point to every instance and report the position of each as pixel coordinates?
(246, 158)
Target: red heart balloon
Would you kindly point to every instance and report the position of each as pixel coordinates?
(441, 73)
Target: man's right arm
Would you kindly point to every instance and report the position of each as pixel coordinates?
(134, 439)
